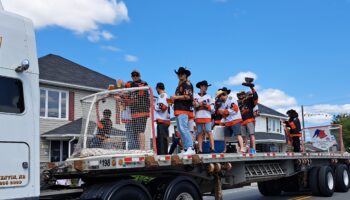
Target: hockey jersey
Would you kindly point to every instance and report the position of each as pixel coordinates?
(204, 109)
(232, 114)
(162, 109)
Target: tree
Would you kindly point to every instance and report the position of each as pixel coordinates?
(344, 120)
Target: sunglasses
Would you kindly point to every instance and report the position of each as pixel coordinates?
(135, 75)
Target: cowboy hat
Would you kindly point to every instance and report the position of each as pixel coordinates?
(226, 90)
(183, 70)
(198, 85)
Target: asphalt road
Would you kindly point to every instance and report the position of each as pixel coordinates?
(252, 193)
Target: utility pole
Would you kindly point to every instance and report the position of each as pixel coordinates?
(302, 116)
(303, 122)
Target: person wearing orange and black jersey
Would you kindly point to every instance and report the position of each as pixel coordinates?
(104, 127)
(183, 108)
(139, 103)
(293, 129)
(216, 116)
(247, 103)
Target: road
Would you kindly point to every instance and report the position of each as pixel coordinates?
(252, 193)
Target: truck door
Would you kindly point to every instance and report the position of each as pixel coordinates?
(13, 146)
(19, 109)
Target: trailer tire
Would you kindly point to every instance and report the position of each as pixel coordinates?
(121, 190)
(182, 188)
(126, 190)
(270, 188)
(313, 181)
(341, 178)
(326, 181)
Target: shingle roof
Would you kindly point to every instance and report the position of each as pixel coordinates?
(269, 111)
(59, 69)
(72, 128)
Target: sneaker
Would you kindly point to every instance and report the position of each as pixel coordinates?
(189, 152)
(252, 151)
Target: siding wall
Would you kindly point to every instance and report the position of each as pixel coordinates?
(50, 124)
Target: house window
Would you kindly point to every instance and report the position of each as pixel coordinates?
(53, 104)
(273, 125)
(11, 99)
(58, 150)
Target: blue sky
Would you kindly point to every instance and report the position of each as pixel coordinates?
(299, 50)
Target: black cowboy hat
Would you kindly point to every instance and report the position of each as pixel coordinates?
(292, 113)
(183, 70)
(198, 85)
(225, 90)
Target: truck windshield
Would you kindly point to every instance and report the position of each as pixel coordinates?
(11, 97)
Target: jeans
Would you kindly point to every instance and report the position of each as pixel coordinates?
(182, 126)
(132, 137)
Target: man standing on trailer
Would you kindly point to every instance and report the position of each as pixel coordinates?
(163, 120)
(247, 101)
(139, 108)
(203, 105)
(183, 108)
(293, 129)
(231, 116)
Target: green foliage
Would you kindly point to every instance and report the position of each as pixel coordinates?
(344, 120)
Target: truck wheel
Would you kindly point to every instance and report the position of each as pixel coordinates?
(326, 181)
(270, 188)
(341, 178)
(182, 188)
(313, 181)
(121, 190)
(127, 190)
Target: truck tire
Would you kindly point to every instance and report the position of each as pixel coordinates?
(326, 181)
(270, 188)
(341, 178)
(313, 181)
(127, 190)
(121, 190)
(182, 188)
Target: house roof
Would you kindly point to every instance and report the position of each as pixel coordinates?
(58, 69)
(71, 129)
(269, 111)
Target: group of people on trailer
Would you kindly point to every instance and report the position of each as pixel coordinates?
(197, 113)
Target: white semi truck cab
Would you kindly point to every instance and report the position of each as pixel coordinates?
(19, 108)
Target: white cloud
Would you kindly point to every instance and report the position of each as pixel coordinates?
(79, 16)
(110, 48)
(239, 78)
(131, 58)
(276, 98)
(95, 36)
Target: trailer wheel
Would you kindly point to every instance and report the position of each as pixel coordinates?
(127, 190)
(326, 181)
(182, 188)
(313, 181)
(270, 188)
(341, 178)
(121, 190)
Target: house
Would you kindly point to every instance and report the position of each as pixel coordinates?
(62, 84)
